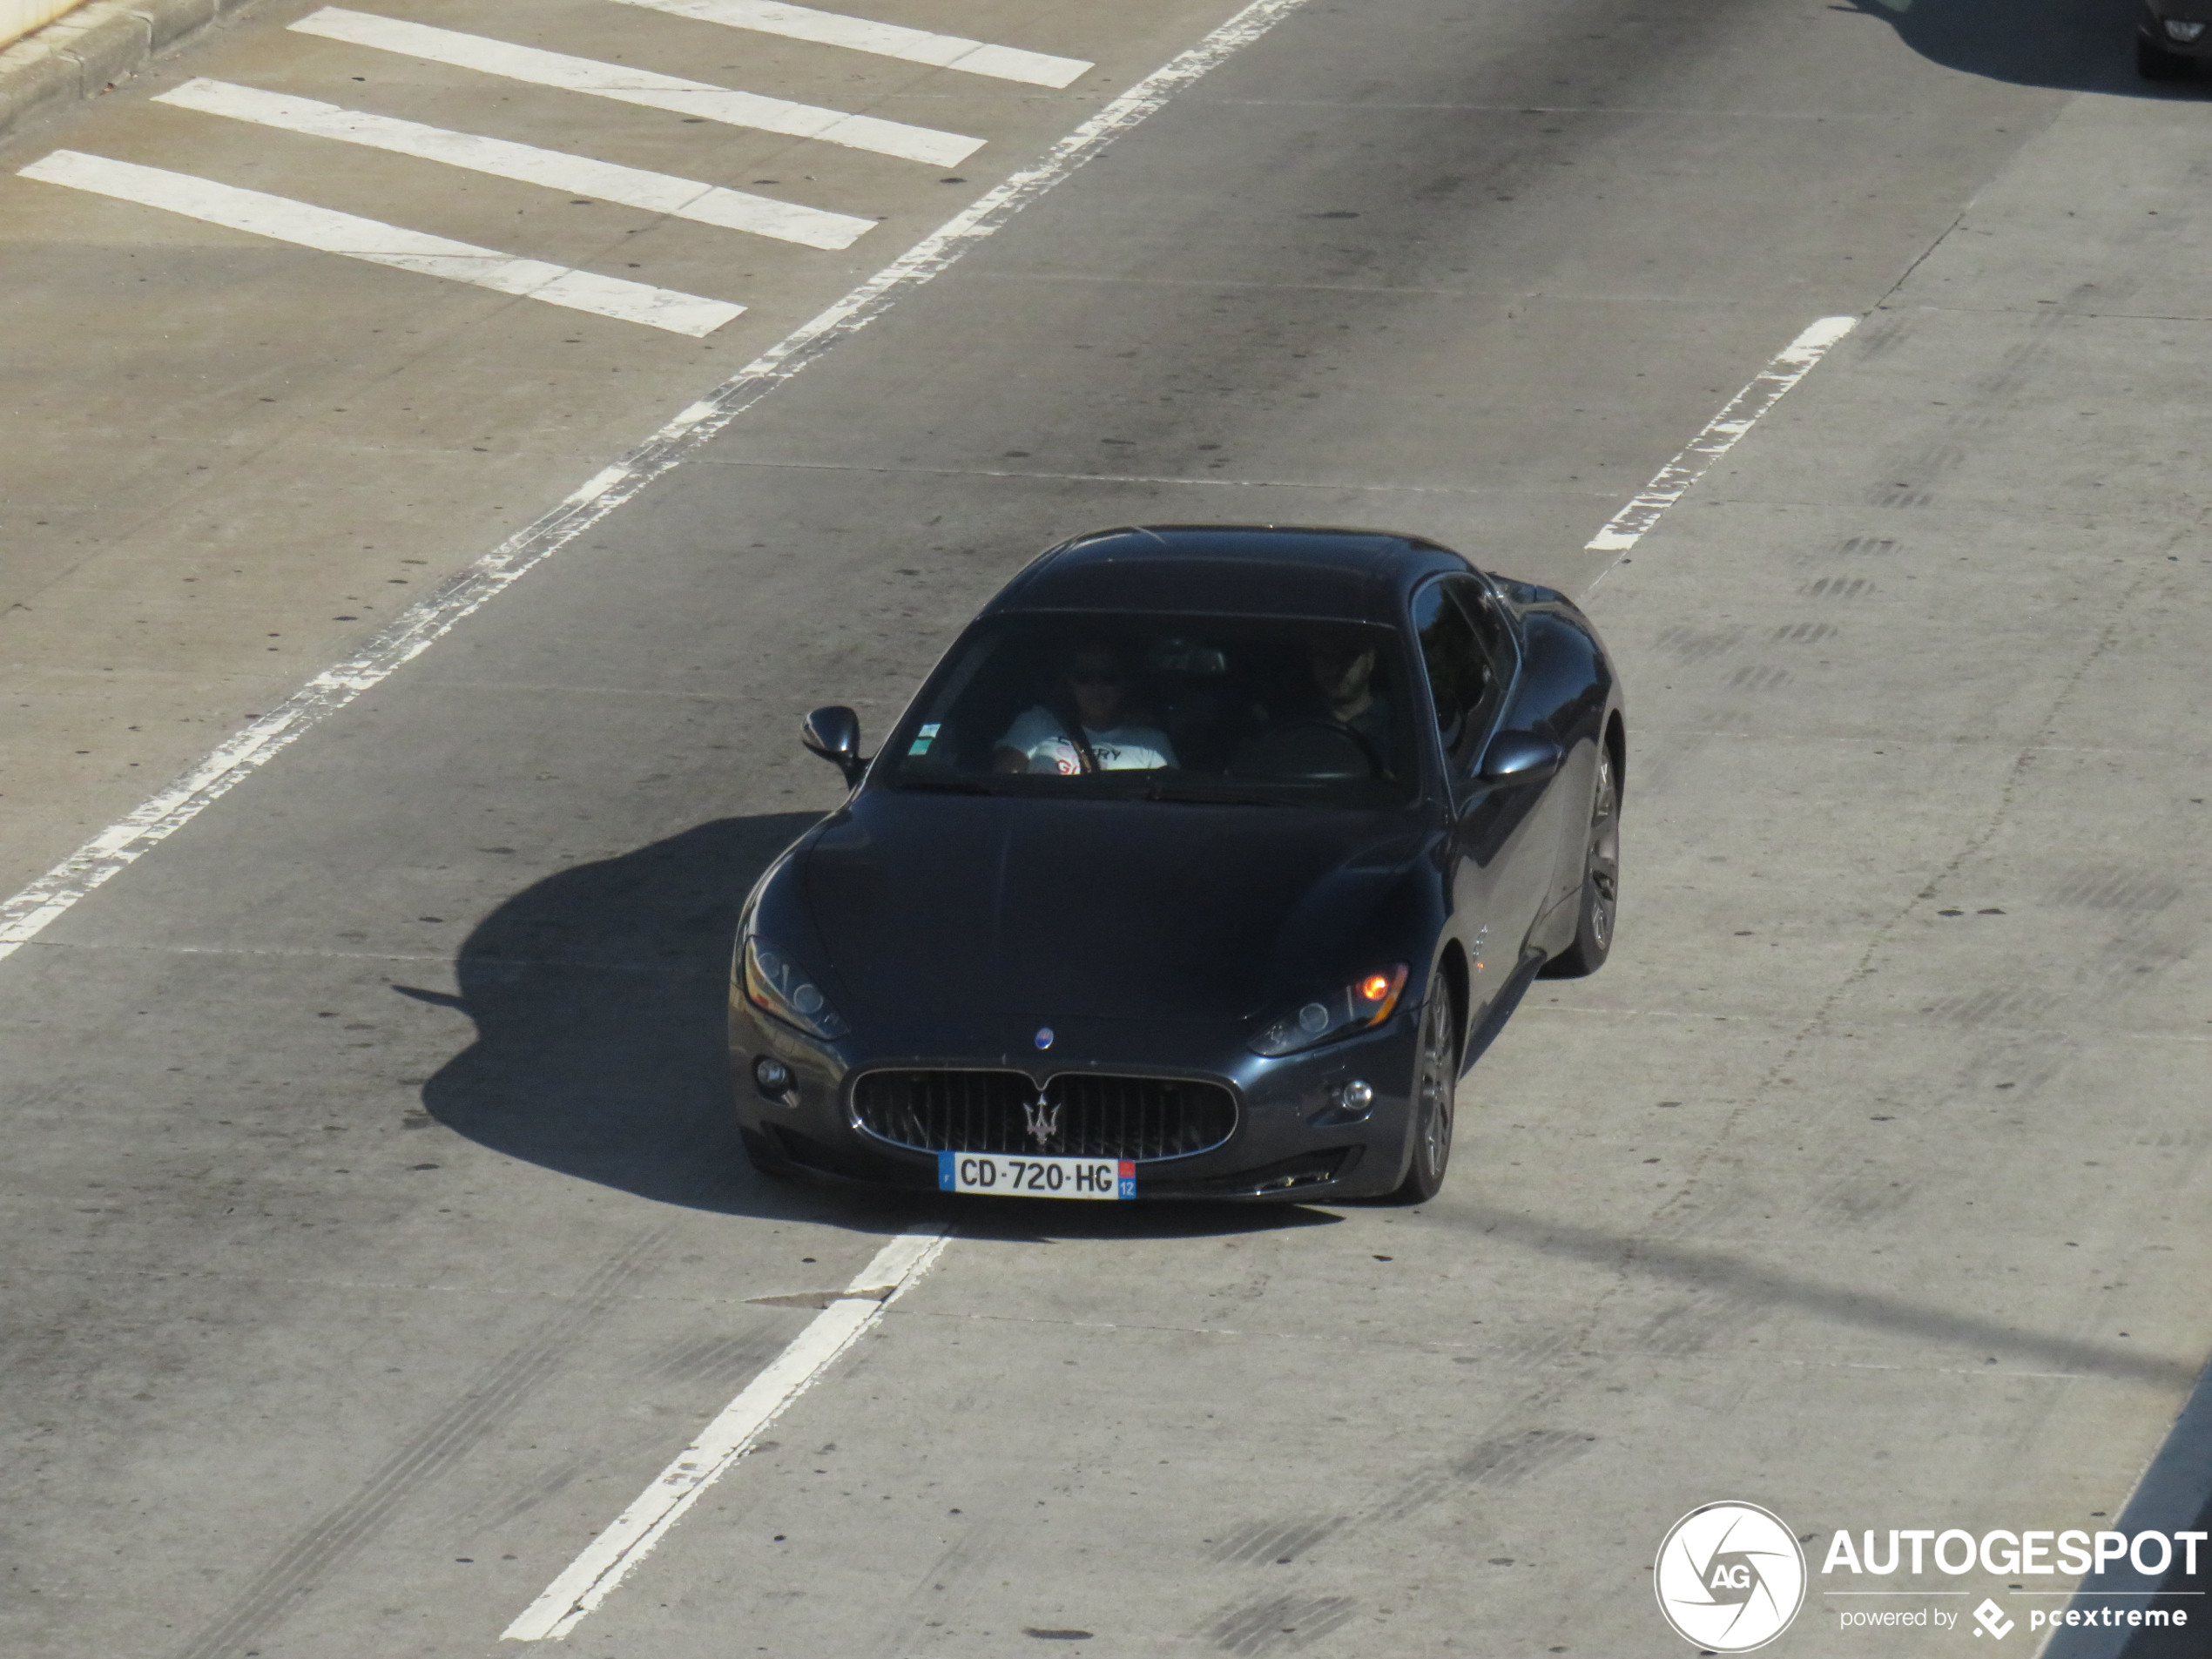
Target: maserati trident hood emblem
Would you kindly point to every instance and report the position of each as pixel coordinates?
(1043, 1121)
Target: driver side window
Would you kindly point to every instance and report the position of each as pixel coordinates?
(1461, 680)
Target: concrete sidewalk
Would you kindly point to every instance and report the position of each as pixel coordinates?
(91, 49)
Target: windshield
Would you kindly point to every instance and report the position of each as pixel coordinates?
(1260, 710)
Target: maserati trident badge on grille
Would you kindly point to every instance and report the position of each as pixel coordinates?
(1044, 1036)
(1043, 1121)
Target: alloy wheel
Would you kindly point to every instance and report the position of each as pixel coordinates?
(1434, 1095)
(1603, 879)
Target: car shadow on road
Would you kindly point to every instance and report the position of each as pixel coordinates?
(2074, 45)
(598, 998)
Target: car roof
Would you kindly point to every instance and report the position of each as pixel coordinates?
(1212, 569)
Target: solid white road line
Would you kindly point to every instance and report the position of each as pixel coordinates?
(1626, 526)
(283, 219)
(659, 193)
(607, 1559)
(885, 39)
(36, 907)
(627, 85)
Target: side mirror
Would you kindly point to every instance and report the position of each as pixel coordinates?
(1519, 757)
(834, 734)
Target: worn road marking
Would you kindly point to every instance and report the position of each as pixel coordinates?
(627, 85)
(282, 220)
(885, 39)
(589, 1579)
(1795, 362)
(657, 192)
(36, 907)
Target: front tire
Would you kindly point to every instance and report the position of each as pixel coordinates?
(1435, 1098)
(1599, 906)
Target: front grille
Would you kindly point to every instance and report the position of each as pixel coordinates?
(1090, 1116)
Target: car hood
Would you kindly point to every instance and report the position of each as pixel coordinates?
(959, 905)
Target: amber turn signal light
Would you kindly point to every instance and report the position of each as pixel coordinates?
(1379, 992)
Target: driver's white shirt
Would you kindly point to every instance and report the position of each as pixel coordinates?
(1040, 737)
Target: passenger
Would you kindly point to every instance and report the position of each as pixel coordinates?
(1089, 735)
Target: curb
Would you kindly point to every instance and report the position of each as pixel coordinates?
(92, 49)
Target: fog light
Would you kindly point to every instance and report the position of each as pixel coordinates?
(773, 1077)
(2186, 33)
(1348, 1102)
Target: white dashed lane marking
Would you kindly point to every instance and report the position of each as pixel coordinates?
(1795, 361)
(607, 1560)
(660, 192)
(284, 221)
(641, 86)
(884, 39)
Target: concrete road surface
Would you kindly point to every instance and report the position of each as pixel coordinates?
(373, 1233)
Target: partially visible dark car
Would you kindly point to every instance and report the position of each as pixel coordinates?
(2172, 36)
(1195, 869)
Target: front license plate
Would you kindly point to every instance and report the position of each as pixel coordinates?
(1007, 1176)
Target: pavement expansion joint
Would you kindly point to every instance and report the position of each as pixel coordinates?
(248, 952)
(1345, 486)
(324, 1282)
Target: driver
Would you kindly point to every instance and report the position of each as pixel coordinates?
(1344, 673)
(1086, 728)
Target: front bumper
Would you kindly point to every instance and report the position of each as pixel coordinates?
(1293, 1139)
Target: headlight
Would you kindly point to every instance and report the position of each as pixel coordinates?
(2186, 33)
(775, 987)
(1366, 1001)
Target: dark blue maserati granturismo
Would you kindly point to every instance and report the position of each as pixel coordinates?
(1202, 867)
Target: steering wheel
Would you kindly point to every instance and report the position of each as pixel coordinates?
(1308, 751)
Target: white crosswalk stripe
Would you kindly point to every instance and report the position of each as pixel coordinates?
(885, 39)
(641, 86)
(285, 221)
(659, 192)
(304, 224)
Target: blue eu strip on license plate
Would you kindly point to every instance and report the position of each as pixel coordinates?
(1003, 1175)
